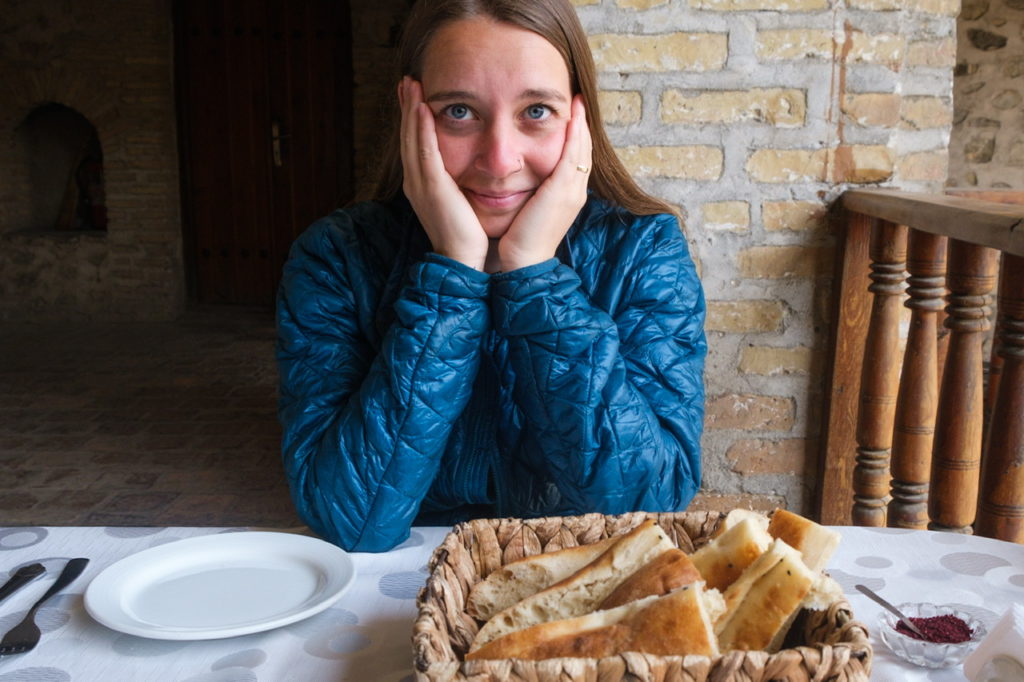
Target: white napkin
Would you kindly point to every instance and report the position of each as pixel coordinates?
(1005, 639)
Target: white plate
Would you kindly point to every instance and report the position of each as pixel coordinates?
(222, 585)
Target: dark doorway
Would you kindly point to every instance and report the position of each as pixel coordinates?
(265, 121)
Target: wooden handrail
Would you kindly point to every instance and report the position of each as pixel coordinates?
(985, 223)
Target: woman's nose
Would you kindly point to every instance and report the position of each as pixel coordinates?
(500, 154)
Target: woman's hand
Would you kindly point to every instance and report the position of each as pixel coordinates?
(542, 223)
(447, 217)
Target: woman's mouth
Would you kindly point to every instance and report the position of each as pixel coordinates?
(498, 200)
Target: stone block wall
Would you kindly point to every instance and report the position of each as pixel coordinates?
(987, 143)
(112, 62)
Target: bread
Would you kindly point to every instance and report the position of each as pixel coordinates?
(722, 560)
(519, 579)
(824, 592)
(735, 516)
(759, 604)
(666, 572)
(678, 623)
(639, 592)
(583, 591)
(814, 542)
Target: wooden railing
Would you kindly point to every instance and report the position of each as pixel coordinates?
(911, 435)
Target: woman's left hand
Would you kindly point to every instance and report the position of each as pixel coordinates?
(542, 223)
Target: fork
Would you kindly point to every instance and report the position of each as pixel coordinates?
(25, 635)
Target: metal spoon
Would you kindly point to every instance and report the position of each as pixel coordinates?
(868, 592)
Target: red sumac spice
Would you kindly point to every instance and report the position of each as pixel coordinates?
(944, 629)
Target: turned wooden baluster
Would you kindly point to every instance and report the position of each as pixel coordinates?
(995, 368)
(879, 375)
(919, 384)
(1001, 505)
(956, 453)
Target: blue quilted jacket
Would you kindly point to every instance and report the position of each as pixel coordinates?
(417, 390)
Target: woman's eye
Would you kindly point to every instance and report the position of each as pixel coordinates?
(459, 112)
(536, 112)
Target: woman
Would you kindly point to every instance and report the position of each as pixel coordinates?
(513, 327)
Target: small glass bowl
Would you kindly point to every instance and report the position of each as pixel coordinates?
(928, 654)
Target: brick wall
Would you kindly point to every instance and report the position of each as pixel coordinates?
(751, 116)
(111, 62)
(986, 147)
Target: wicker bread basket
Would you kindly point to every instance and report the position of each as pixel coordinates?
(828, 645)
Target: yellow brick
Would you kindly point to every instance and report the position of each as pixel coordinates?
(725, 503)
(744, 317)
(639, 4)
(938, 53)
(727, 216)
(787, 165)
(691, 163)
(927, 112)
(949, 8)
(784, 262)
(876, 5)
(923, 167)
(620, 107)
(874, 109)
(795, 44)
(756, 456)
(776, 106)
(883, 48)
(793, 215)
(755, 5)
(861, 163)
(770, 361)
(660, 52)
(750, 412)
(946, 8)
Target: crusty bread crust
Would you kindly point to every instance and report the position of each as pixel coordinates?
(760, 603)
(724, 559)
(814, 542)
(678, 623)
(519, 579)
(583, 591)
(669, 570)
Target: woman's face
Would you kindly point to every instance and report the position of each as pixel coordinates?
(501, 99)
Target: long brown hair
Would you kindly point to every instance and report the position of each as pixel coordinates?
(556, 22)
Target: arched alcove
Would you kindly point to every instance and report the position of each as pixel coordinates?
(65, 170)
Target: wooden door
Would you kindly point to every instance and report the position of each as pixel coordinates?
(265, 118)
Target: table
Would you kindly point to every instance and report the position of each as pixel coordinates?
(366, 634)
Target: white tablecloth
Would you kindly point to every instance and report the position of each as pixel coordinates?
(366, 635)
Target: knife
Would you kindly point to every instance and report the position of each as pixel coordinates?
(21, 577)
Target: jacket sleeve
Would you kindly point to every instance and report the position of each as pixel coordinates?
(365, 428)
(614, 397)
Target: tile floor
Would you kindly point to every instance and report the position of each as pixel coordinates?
(142, 424)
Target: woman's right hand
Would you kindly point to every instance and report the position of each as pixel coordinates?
(444, 212)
